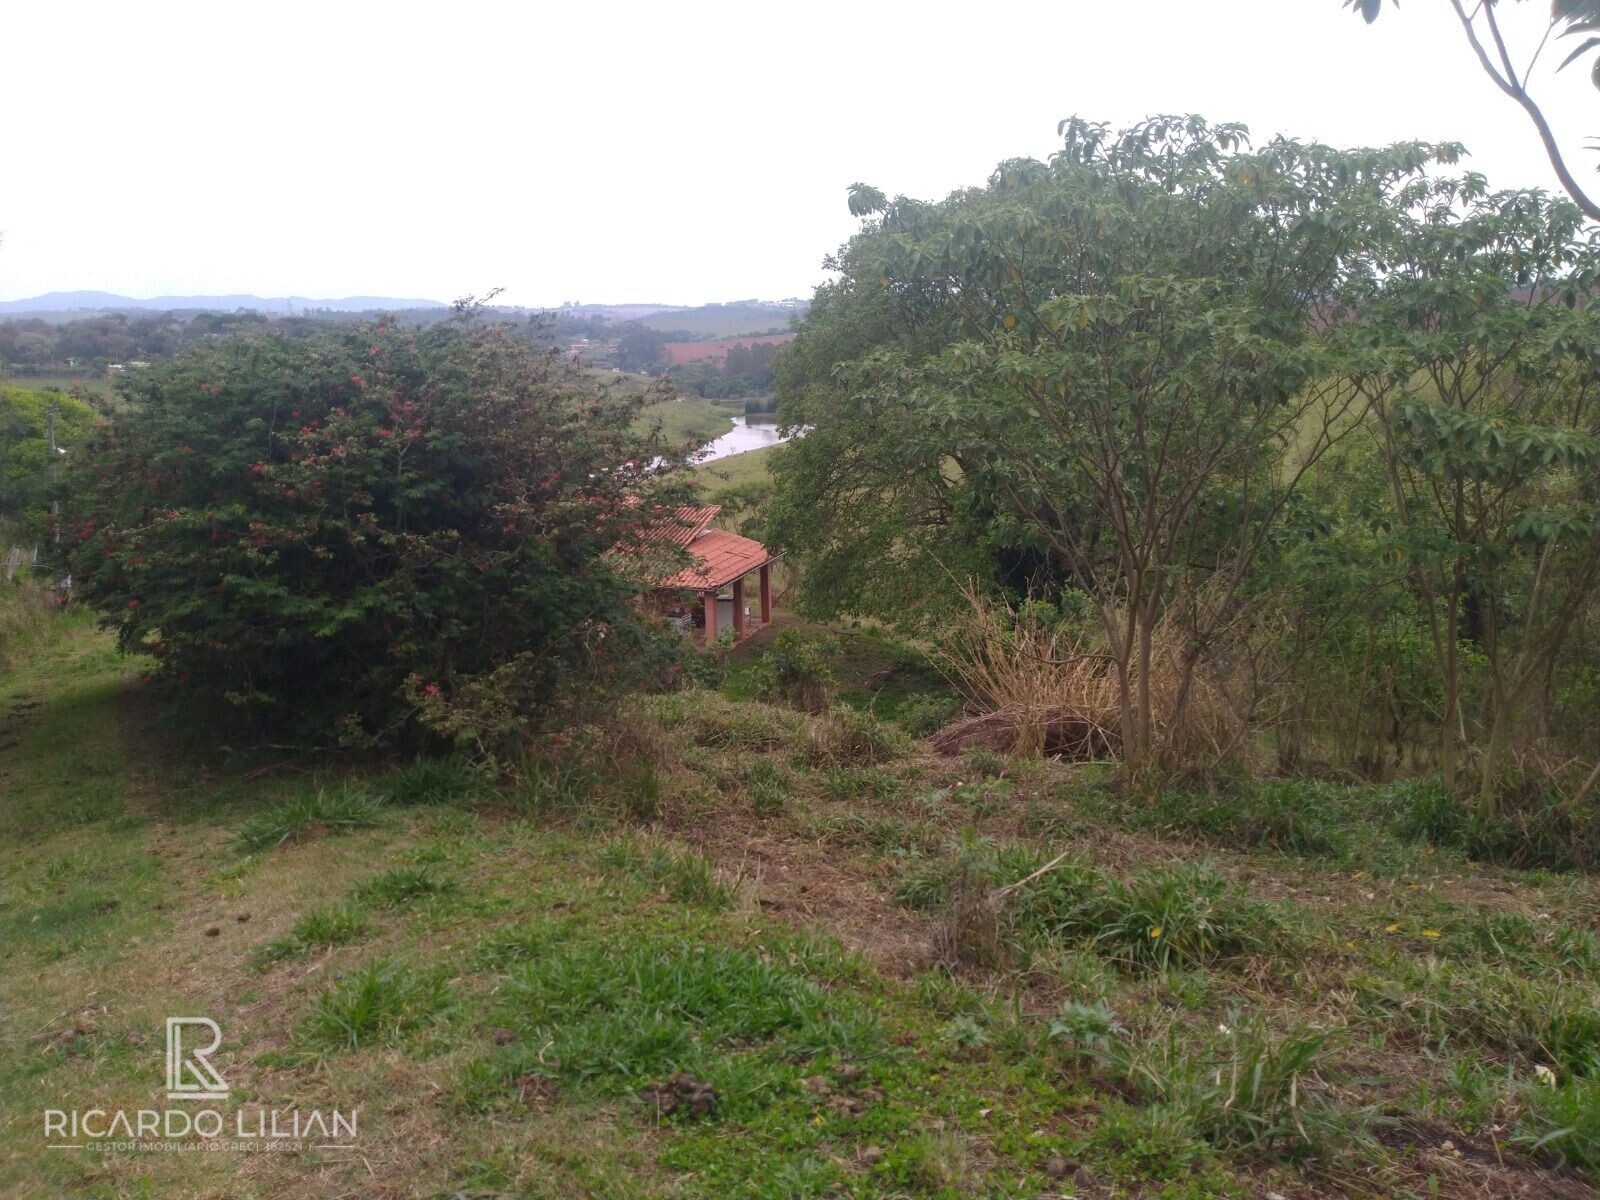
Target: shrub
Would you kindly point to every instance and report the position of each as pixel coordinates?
(845, 736)
(434, 781)
(794, 671)
(1177, 916)
(1250, 1090)
(322, 811)
(924, 714)
(372, 531)
(376, 1002)
(1086, 1028)
(712, 720)
(25, 467)
(1286, 814)
(1532, 830)
(1543, 1019)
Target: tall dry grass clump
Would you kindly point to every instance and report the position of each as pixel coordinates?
(1038, 688)
(1044, 687)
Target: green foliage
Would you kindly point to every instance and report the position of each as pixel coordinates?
(1184, 915)
(399, 886)
(1532, 831)
(846, 737)
(640, 348)
(686, 878)
(924, 714)
(326, 810)
(626, 1016)
(371, 531)
(1151, 280)
(25, 468)
(1249, 1090)
(434, 781)
(1563, 1120)
(794, 670)
(1173, 917)
(377, 1002)
(1295, 815)
(319, 929)
(1086, 1028)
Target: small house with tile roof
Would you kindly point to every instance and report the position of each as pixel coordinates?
(720, 562)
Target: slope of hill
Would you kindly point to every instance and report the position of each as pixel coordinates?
(725, 320)
(781, 971)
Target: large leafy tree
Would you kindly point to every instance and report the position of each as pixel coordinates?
(1482, 366)
(1124, 350)
(26, 475)
(331, 534)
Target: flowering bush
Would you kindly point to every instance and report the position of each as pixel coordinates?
(337, 535)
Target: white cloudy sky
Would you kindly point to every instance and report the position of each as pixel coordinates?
(674, 152)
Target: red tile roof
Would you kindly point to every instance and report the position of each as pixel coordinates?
(720, 558)
(682, 526)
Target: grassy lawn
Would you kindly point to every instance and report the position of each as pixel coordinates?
(764, 960)
(735, 471)
(96, 385)
(690, 419)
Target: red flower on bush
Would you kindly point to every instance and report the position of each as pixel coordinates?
(134, 603)
(432, 689)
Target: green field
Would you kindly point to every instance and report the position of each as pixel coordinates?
(95, 385)
(762, 964)
(690, 419)
(736, 470)
(720, 321)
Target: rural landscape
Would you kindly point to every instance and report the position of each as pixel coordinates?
(1099, 699)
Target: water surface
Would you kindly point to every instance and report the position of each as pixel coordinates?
(747, 434)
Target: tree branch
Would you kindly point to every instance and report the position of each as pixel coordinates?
(1508, 84)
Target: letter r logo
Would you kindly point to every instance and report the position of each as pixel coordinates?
(190, 1075)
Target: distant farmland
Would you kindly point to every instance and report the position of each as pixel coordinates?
(682, 353)
(721, 320)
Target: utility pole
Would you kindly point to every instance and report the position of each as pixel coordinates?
(55, 474)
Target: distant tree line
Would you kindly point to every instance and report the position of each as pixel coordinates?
(748, 370)
(1302, 445)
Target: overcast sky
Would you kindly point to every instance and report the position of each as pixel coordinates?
(680, 153)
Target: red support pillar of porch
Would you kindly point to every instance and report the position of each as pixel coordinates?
(710, 600)
(738, 609)
(766, 593)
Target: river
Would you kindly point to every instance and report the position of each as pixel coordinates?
(746, 434)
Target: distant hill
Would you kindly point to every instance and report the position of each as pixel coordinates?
(87, 302)
(727, 320)
(735, 318)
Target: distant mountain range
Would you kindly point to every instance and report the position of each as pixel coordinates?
(60, 302)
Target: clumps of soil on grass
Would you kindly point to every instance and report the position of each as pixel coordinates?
(801, 884)
(15, 722)
(684, 1093)
(536, 1091)
(1464, 1166)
